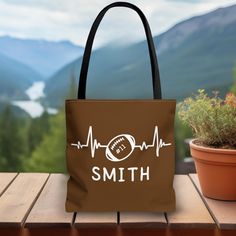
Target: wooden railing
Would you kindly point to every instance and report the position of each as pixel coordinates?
(33, 204)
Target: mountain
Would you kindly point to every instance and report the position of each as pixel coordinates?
(197, 53)
(45, 57)
(202, 50)
(15, 78)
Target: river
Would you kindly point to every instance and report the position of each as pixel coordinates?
(33, 106)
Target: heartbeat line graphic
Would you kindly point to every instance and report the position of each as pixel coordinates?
(159, 143)
(118, 143)
(94, 144)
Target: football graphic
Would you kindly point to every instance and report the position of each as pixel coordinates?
(120, 147)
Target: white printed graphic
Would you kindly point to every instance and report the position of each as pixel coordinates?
(121, 146)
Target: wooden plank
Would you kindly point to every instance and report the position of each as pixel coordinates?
(142, 220)
(17, 200)
(95, 219)
(5, 181)
(49, 210)
(190, 212)
(223, 212)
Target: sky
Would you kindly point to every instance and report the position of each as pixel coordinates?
(71, 19)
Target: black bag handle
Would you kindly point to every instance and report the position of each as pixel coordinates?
(88, 48)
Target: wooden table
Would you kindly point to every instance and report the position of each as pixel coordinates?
(33, 204)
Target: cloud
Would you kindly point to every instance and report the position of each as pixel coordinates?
(61, 19)
(187, 1)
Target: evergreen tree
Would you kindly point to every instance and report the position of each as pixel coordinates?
(36, 130)
(11, 143)
(233, 88)
(49, 155)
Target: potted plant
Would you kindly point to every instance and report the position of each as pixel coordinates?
(213, 121)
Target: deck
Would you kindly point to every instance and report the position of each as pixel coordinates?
(33, 204)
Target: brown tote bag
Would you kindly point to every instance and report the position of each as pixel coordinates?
(120, 153)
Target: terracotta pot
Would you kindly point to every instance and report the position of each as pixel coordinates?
(216, 169)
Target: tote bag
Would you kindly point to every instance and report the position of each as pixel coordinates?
(120, 153)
